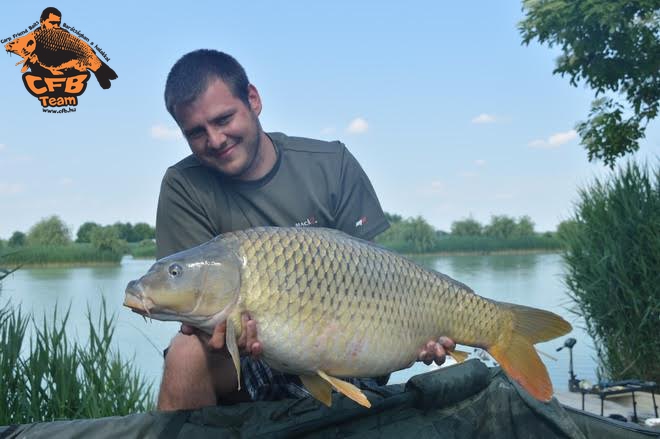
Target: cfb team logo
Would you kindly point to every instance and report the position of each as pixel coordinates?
(56, 63)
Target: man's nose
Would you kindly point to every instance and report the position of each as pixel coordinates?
(216, 139)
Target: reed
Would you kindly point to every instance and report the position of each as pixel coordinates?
(51, 376)
(478, 244)
(72, 254)
(613, 270)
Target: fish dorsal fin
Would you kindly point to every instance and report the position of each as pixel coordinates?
(232, 347)
(318, 387)
(346, 388)
(459, 356)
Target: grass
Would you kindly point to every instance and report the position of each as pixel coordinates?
(52, 376)
(72, 254)
(613, 271)
(143, 250)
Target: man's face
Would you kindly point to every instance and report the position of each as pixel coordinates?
(222, 131)
(52, 22)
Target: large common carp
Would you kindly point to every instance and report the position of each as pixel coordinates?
(328, 305)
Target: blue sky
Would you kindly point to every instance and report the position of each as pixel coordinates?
(444, 108)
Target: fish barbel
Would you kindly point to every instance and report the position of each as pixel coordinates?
(328, 305)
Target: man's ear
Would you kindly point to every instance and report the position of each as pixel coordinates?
(254, 99)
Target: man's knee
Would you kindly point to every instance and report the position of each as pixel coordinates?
(185, 351)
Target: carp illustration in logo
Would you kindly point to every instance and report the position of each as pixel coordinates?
(58, 62)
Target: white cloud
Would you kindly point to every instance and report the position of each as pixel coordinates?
(163, 132)
(11, 188)
(554, 141)
(358, 126)
(484, 118)
(480, 162)
(437, 187)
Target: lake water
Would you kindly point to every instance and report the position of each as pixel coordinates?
(529, 279)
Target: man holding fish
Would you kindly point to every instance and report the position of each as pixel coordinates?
(240, 177)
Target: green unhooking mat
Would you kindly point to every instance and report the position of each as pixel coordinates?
(462, 401)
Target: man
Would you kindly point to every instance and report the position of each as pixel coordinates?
(50, 18)
(238, 177)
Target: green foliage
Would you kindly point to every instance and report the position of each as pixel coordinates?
(614, 46)
(107, 239)
(393, 217)
(84, 234)
(612, 257)
(75, 254)
(49, 231)
(487, 244)
(52, 376)
(143, 231)
(565, 229)
(524, 227)
(144, 249)
(17, 239)
(412, 235)
(501, 226)
(466, 227)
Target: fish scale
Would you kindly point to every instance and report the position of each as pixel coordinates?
(329, 305)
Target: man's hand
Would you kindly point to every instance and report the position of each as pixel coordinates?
(248, 343)
(436, 351)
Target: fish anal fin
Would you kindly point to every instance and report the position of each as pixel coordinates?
(318, 387)
(346, 388)
(232, 347)
(459, 356)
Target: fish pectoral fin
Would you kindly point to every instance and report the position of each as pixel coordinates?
(346, 388)
(459, 356)
(232, 347)
(318, 387)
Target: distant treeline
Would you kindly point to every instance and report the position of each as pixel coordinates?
(415, 235)
(49, 242)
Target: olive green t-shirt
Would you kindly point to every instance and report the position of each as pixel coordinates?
(313, 184)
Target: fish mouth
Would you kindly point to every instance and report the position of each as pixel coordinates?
(136, 300)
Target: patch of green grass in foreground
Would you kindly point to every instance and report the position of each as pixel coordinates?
(51, 376)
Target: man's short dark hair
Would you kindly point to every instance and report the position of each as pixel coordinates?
(192, 73)
(49, 10)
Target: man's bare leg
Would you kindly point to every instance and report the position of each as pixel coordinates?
(195, 376)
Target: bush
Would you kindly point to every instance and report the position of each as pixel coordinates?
(84, 234)
(17, 239)
(107, 239)
(49, 231)
(466, 227)
(612, 254)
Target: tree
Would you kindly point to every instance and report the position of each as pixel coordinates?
(17, 239)
(524, 227)
(107, 239)
(49, 231)
(85, 231)
(393, 217)
(142, 231)
(466, 227)
(614, 46)
(501, 226)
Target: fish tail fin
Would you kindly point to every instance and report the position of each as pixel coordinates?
(516, 354)
(104, 74)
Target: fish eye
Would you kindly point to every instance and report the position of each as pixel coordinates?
(175, 270)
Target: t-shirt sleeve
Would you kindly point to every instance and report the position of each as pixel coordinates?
(181, 222)
(358, 210)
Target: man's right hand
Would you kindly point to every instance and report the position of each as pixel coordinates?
(248, 343)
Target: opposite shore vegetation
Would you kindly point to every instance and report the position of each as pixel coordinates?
(49, 242)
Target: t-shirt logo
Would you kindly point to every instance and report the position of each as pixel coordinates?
(362, 221)
(308, 222)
